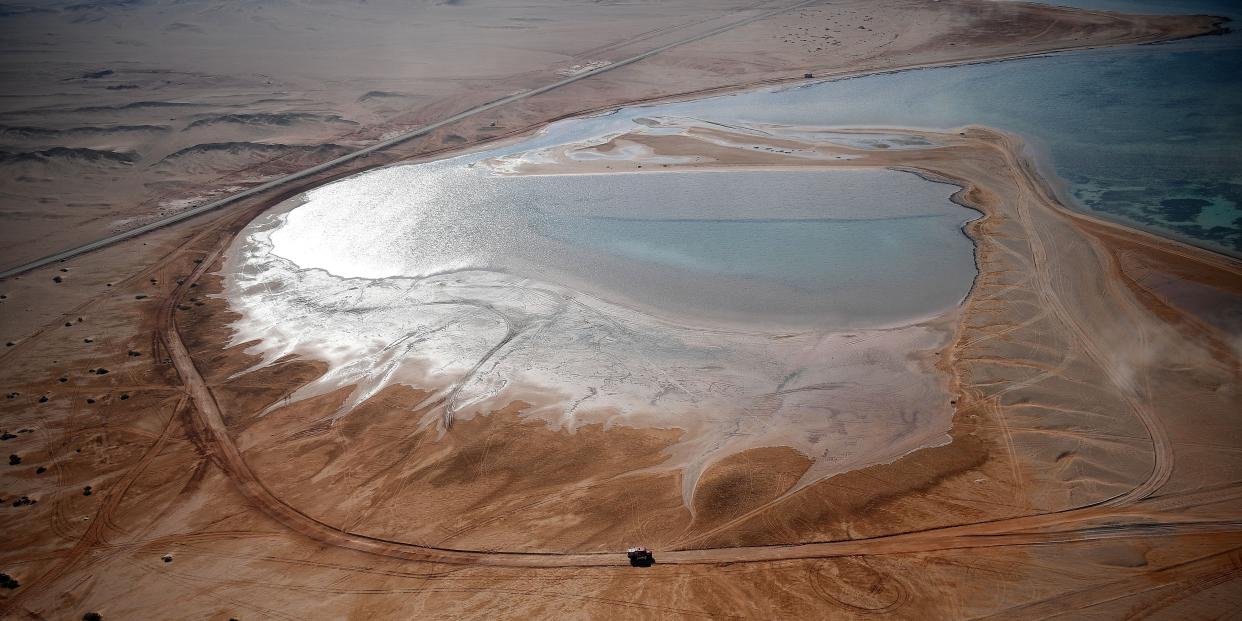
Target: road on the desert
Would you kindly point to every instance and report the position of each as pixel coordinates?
(384, 144)
(1111, 518)
(427, 129)
(1108, 518)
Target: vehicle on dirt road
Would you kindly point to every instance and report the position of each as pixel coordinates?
(640, 557)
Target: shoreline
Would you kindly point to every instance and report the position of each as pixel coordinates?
(1078, 382)
(554, 398)
(985, 254)
(217, 204)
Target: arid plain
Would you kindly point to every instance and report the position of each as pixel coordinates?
(1093, 470)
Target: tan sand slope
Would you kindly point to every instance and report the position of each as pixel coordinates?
(1007, 471)
(1093, 472)
(145, 96)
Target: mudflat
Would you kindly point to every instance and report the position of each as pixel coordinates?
(1091, 387)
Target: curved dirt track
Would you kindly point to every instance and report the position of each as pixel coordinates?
(1033, 189)
(1138, 516)
(1104, 519)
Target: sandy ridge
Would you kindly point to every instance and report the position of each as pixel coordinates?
(1075, 524)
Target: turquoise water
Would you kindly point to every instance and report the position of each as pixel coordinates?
(798, 248)
(807, 246)
(789, 251)
(1149, 135)
(1152, 7)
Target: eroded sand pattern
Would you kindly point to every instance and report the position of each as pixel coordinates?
(447, 379)
(812, 321)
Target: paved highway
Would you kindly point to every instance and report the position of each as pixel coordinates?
(422, 131)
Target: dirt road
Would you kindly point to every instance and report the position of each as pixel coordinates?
(1108, 518)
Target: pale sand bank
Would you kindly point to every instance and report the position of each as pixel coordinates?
(1056, 342)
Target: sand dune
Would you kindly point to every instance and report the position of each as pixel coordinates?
(14, 133)
(230, 156)
(86, 157)
(284, 119)
(1093, 466)
(1038, 471)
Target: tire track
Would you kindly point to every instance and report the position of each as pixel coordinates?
(1028, 183)
(1075, 524)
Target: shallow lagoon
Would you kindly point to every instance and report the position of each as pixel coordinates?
(1147, 135)
(797, 248)
(754, 309)
(760, 307)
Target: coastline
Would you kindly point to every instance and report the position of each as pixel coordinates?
(831, 76)
(972, 402)
(1039, 468)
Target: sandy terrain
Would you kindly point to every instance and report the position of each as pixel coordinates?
(151, 107)
(118, 113)
(1093, 470)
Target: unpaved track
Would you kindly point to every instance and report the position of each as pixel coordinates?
(1106, 519)
(1049, 283)
(96, 532)
(1156, 517)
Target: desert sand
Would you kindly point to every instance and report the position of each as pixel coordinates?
(1092, 472)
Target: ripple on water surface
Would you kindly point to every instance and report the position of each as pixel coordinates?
(748, 308)
(837, 248)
